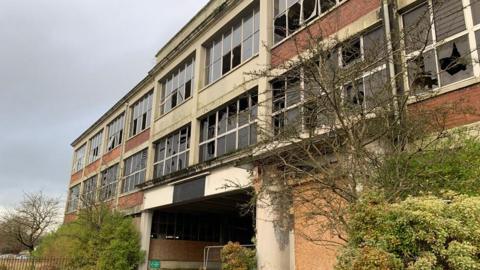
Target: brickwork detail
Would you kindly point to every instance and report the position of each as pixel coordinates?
(131, 200)
(112, 155)
(137, 140)
(462, 106)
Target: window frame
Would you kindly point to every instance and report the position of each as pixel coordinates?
(166, 83)
(251, 124)
(79, 163)
(434, 47)
(107, 185)
(73, 198)
(95, 147)
(141, 114)
(130, 182)
(162, 161)
(218, 42)
(115, 133)
(89, 190)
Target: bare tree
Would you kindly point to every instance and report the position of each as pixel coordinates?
(35, 215)
(340, 113)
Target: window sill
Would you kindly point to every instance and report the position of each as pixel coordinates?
(443, 90)
(174, 109)
(228, 73)
(304, 26)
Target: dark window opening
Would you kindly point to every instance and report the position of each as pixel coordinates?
(294, 18)
(309, 9)
(351, 52)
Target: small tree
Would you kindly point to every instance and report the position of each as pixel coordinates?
(99, 239)
(418, 233)
(35, 216)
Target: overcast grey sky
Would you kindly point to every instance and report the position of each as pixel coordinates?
(63, 63)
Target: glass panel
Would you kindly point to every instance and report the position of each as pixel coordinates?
(221, 146)
(243, 137)
(243, 111)
(222, 121)
(475, 6)
(448, 17)
(309, 9)
(231, 142)
(294, 18)
(279, 6)
(325, 5)
(280, 25)
(351, 51)
(232, 116)
(417, 28)
(422, 72)
(455, 62)
(247, 48)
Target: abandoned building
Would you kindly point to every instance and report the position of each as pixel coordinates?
(167, 152)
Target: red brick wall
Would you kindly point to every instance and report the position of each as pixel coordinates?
(460, 107)
(76, 176)
(337, 19)
(112, 155)
(130, 200)
(92, 168)
(137, 140)
(178, 250)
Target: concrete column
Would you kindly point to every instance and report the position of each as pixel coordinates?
(200, 57)
(274, 250)
(145, 232)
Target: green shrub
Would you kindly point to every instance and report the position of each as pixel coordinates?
(419, 233)
(236, 257)
(99, 239)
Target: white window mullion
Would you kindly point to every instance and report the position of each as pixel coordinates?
(467, 11)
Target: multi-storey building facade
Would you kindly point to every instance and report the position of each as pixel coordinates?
(167, 152)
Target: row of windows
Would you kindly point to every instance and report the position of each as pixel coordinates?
(290, 15)
(140, 117)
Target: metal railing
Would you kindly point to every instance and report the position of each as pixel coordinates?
(211, 254)
(19, 263)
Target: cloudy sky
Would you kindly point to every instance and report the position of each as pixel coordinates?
(62, 65)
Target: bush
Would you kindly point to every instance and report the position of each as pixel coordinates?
(236, 257)
(419, 233)
(99, 239)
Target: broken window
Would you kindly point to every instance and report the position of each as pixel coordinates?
(73, 198)
(171, 152)
(89, 194)
(455, 62)
(134, 171)
(79, 159)
(448, 17)
(177, 87)
(108, 183)
(286, 100)
(290, 15)
(141, 114)
(115, 132)
(422, 72)
(351, 51)
(449, 55)
(227, 121)
(235, 45)
(95, 147)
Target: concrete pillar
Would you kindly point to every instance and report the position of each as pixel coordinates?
(145, 232)
(274, 246)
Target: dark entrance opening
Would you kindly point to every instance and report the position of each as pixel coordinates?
(182, 231)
